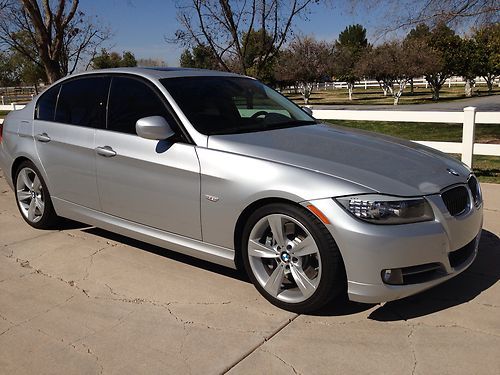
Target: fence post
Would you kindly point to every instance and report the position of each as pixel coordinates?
(13, 106)
(366, 84)
(3, 101)
(468, 135)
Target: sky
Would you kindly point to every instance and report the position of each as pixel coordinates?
(140, 26)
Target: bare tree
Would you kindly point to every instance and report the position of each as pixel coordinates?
(225, 27)
(59, 34)
(404, 14)
(305, 62)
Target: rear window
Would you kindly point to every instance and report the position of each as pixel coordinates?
(46, 105)
(82, 102)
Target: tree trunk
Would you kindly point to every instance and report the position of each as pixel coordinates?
(350, 87)
(53, 70)
(411, 86)
(397, 95)
(468, 87)
(489, 82)
(435, 92)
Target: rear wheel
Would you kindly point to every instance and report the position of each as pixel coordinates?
(33, 198)
(291, 258)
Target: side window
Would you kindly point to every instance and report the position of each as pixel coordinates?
(130, 100)
(46, 105)
(82, 102)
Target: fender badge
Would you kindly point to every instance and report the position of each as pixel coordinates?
(212, 198)
(452, 171)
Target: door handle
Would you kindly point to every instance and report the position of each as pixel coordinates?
(106, 151)
(42, 137)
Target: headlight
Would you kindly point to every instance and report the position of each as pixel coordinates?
(380, 209)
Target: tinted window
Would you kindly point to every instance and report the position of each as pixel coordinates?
(130, 100)
(225, 105)
(82, 102)
(46, 106)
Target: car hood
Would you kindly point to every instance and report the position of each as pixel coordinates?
(384, 164)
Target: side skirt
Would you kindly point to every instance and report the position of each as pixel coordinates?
(184, 245)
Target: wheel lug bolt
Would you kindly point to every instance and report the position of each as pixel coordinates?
(289, 247)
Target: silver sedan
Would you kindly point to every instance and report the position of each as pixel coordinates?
(223, 168)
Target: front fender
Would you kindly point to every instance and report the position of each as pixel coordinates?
(232, 182)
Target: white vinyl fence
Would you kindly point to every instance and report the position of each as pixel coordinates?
(469, 118)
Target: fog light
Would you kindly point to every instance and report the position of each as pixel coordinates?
(393, 276)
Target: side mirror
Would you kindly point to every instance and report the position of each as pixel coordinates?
(153, 127)
(307, 110)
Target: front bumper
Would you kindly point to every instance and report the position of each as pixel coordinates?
(447, 243)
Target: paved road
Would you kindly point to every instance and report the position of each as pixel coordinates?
(484, 103)
(84, 301)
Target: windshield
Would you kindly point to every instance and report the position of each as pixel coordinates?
(228, 105)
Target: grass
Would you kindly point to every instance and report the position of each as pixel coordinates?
(374, 96)
(487, 168)
(3, 114)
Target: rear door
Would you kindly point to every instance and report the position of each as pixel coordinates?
(155, 183)
(66, 119)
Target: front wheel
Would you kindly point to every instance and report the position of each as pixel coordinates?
(292, 258)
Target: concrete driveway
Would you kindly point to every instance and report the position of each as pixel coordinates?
(85, 301)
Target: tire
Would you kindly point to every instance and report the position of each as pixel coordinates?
(33, 198)
(299, 269)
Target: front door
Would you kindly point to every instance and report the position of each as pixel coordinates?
(155, 183)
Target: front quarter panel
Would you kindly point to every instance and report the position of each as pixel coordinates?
(231, 182)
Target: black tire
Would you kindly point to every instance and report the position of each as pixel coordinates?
(48, 219)
(332, 282)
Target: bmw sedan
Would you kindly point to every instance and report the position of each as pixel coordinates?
(221, 167)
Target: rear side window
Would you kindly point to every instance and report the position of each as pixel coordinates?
(130, 100)
(46, 105)
(82, 102)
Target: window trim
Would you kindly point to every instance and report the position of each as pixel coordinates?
(41, 97)
(183, 136)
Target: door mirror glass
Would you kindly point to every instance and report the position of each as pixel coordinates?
(153, 127)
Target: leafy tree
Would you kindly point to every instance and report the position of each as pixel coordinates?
(349, 48)
(200, 57)
(468, 64)
(487, 39)
(226, 28)
(60, 35)
(444, 44)
(113, 60)
(304, 62)
(394, 64)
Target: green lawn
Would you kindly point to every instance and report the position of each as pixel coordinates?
(374, 96)
(3, 114)
(487, 168)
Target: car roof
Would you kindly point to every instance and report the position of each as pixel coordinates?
(159, 73)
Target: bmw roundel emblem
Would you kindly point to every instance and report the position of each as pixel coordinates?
(452, 171)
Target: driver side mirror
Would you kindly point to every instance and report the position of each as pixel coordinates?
(307, 110)
(153, 127)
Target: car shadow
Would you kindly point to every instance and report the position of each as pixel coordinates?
(480, 276)
(178, 257)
